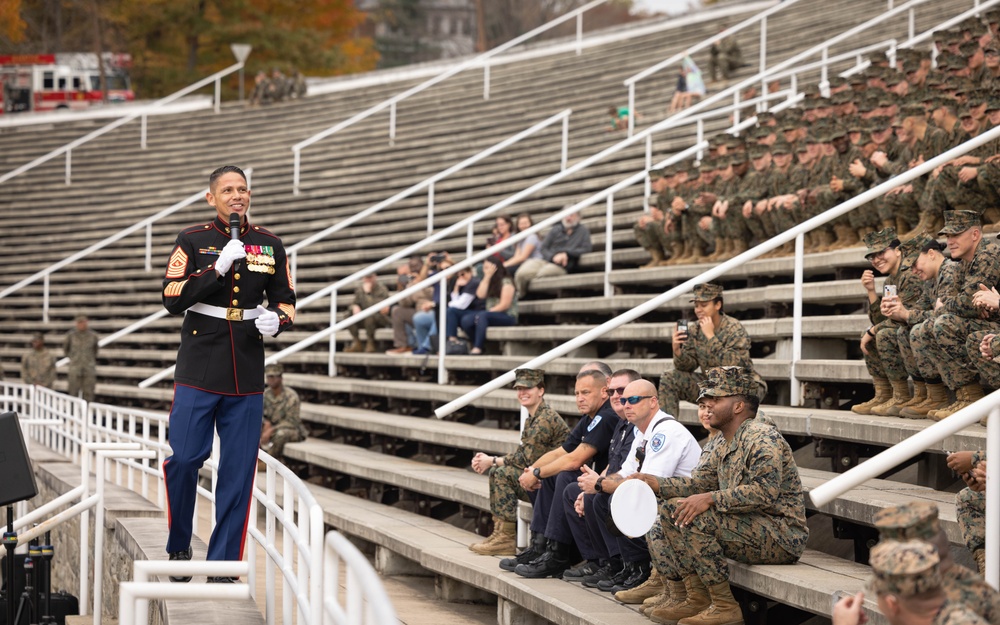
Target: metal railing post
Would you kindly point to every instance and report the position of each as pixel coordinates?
(565, 143)
(486, 80)
(442, 323)
(149, 247)
(392, 123)
(631, 108)
(430, 208)
(69, 166)
(797, 320)
(296, 164)
(468, 239)
(912, 23)
(331, 365)
(142, 132)
(608, 244)
(993, 499)
(699, 137)
(218, 95)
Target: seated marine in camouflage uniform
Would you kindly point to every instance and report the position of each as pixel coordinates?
(38, 365)
(714, 340)
(650, 232)
(918, 521)
(282, 423)
(544, 430)
(970, 502)
(368, 293)
(745, 502)
(879, 344)
(907, 578)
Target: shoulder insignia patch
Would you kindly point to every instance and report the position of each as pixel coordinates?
(594, 422)
(289, 310)
(177, 264)
(174, 288)
(657, 442)
(288, 273)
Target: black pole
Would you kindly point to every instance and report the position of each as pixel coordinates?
(47, 553)
(10, 543)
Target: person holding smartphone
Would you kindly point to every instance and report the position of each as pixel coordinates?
(712, 339)
(879, 343)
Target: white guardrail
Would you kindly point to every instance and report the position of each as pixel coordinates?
(128, 447)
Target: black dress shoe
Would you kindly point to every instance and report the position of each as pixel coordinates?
(640, 573)
(180, 555)
(578, 574)
(604, 573)
(617, 578)
(221, 580)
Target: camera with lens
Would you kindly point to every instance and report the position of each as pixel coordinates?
(437, 258)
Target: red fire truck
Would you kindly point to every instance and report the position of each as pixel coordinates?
(47, 82)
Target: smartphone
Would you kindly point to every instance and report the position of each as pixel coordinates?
(682, 326)
(889, 290)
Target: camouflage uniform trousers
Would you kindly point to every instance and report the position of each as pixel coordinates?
(81, 382)
(659, 549)
(692, 233)
(968, 588)
(827, 199)
(732, 226)
(886, 360)
(970, 508)
(909, 358)
(371, 324)
(900, 205)
(950, 193)
(506, 491)
(948, 348)
(280, 437)
(652, 236)
(712, 537)
(988, 369)
(677, 385)
(922, 344)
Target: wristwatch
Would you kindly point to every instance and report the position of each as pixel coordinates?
(537, 473)
(598, 484)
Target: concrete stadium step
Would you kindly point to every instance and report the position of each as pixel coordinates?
(443, 550)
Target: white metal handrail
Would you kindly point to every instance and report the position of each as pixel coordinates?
(473, 62)
(146, 223)
(134, 596)
(367, 602)
(761, 18)
(429, 183)
(142, 113)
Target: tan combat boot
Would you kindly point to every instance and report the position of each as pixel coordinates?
(823, 238)
(980, 557)
(846, 237)
(355, 348)
(883, 393)
(696, 255)
(649, 588)
(724, 609)
(674, 594)
(738, 247)
(900, 395)
(937, 397)
(967, 395)
(919, 395)
(370, 346)
(679, 251)
(655, 257)
(721, 245)
(991, 219)
(696, 599)
(502, 542)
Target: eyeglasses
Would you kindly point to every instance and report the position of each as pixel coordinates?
(635, 399)
(616, 391)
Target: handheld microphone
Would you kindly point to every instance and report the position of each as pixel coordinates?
(234, 226)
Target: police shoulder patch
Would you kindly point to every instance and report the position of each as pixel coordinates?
(657, 443)
(594, 422)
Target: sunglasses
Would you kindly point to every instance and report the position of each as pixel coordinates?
(616, 391)
(635, 399)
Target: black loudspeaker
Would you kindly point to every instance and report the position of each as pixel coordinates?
(18, 483)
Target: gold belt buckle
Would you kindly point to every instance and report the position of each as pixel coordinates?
(234, 314)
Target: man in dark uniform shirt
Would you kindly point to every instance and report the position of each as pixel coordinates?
(220, 283)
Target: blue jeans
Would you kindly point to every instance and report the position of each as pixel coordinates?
(475, 324)
(453, 318)
(424, 327)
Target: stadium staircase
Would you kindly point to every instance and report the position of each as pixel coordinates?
(385, 470)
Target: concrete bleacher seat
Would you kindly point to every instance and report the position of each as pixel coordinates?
(349, 172)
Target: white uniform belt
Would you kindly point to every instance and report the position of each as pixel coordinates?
(229, 314)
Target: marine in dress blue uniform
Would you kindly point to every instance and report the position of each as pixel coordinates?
(220, 285)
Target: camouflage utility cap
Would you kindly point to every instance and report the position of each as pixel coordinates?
(879, 241)
(917, 520)
(706, 292)
(957, 222)
(726, 382)
(528, 378)
(912, 247)
(274, 370)
(904, 568)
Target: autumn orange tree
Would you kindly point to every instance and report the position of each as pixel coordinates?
(175, 42)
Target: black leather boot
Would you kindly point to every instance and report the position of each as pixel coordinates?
(552, 563)
(535, 549)
(640, 573)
